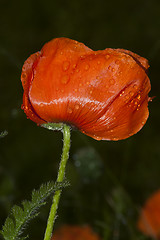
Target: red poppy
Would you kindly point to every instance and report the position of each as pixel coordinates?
(149, 220)
(102, 93)
(75, 233)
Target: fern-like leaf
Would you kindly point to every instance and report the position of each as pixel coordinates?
(20, 216)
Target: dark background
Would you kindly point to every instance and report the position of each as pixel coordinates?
(110, 181)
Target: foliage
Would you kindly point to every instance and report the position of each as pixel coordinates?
(3, 134)
(20, 216)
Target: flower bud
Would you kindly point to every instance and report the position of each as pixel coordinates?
(104, 93)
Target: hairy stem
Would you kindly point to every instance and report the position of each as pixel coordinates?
(60, 177)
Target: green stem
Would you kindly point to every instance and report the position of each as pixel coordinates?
(60, 177)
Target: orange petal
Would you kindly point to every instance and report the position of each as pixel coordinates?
(29, 111)
(69, 232)
(104, 93)
(149, 220)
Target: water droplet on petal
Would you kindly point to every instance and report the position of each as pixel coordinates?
(131, 93)
(109, 67)
(111, 81)
(65, 79)
(115, 139)
(98, 62)
(127, 97)
(23, 76)
(97, 138)
(74, 66)
(107, 56)
(77, 106)
(69, 110)
(135, 86)
(86, 67)
(66, 65)
(139, 97)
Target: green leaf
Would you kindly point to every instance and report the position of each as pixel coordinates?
(20, 216)
(3, 134)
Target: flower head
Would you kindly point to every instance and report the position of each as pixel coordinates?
(102, 93)
(68, 232)
(149, 220)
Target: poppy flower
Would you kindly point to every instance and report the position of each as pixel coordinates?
(149, 220)
(68, 232)
(103, 93)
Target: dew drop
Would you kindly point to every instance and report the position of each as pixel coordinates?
(74, 66)
(80, 84)
(41, 105)
(86, 67)
(127, 97)
(87, 83)
(121, 94)
(113, 69)
(75, 89)
(139, 97)
(77, 106)
(69, 110)
(66, 65)
(109, 67)
(65, 79)
(135, 86)
(111, 81)
(98, 62)
(138, 106)
(107, 56)
(115, 139)
(131, 93)
(90, 92)
(97, 138)
(77, 70)
(23, 76)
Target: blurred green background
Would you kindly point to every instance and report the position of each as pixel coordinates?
(109, 180)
